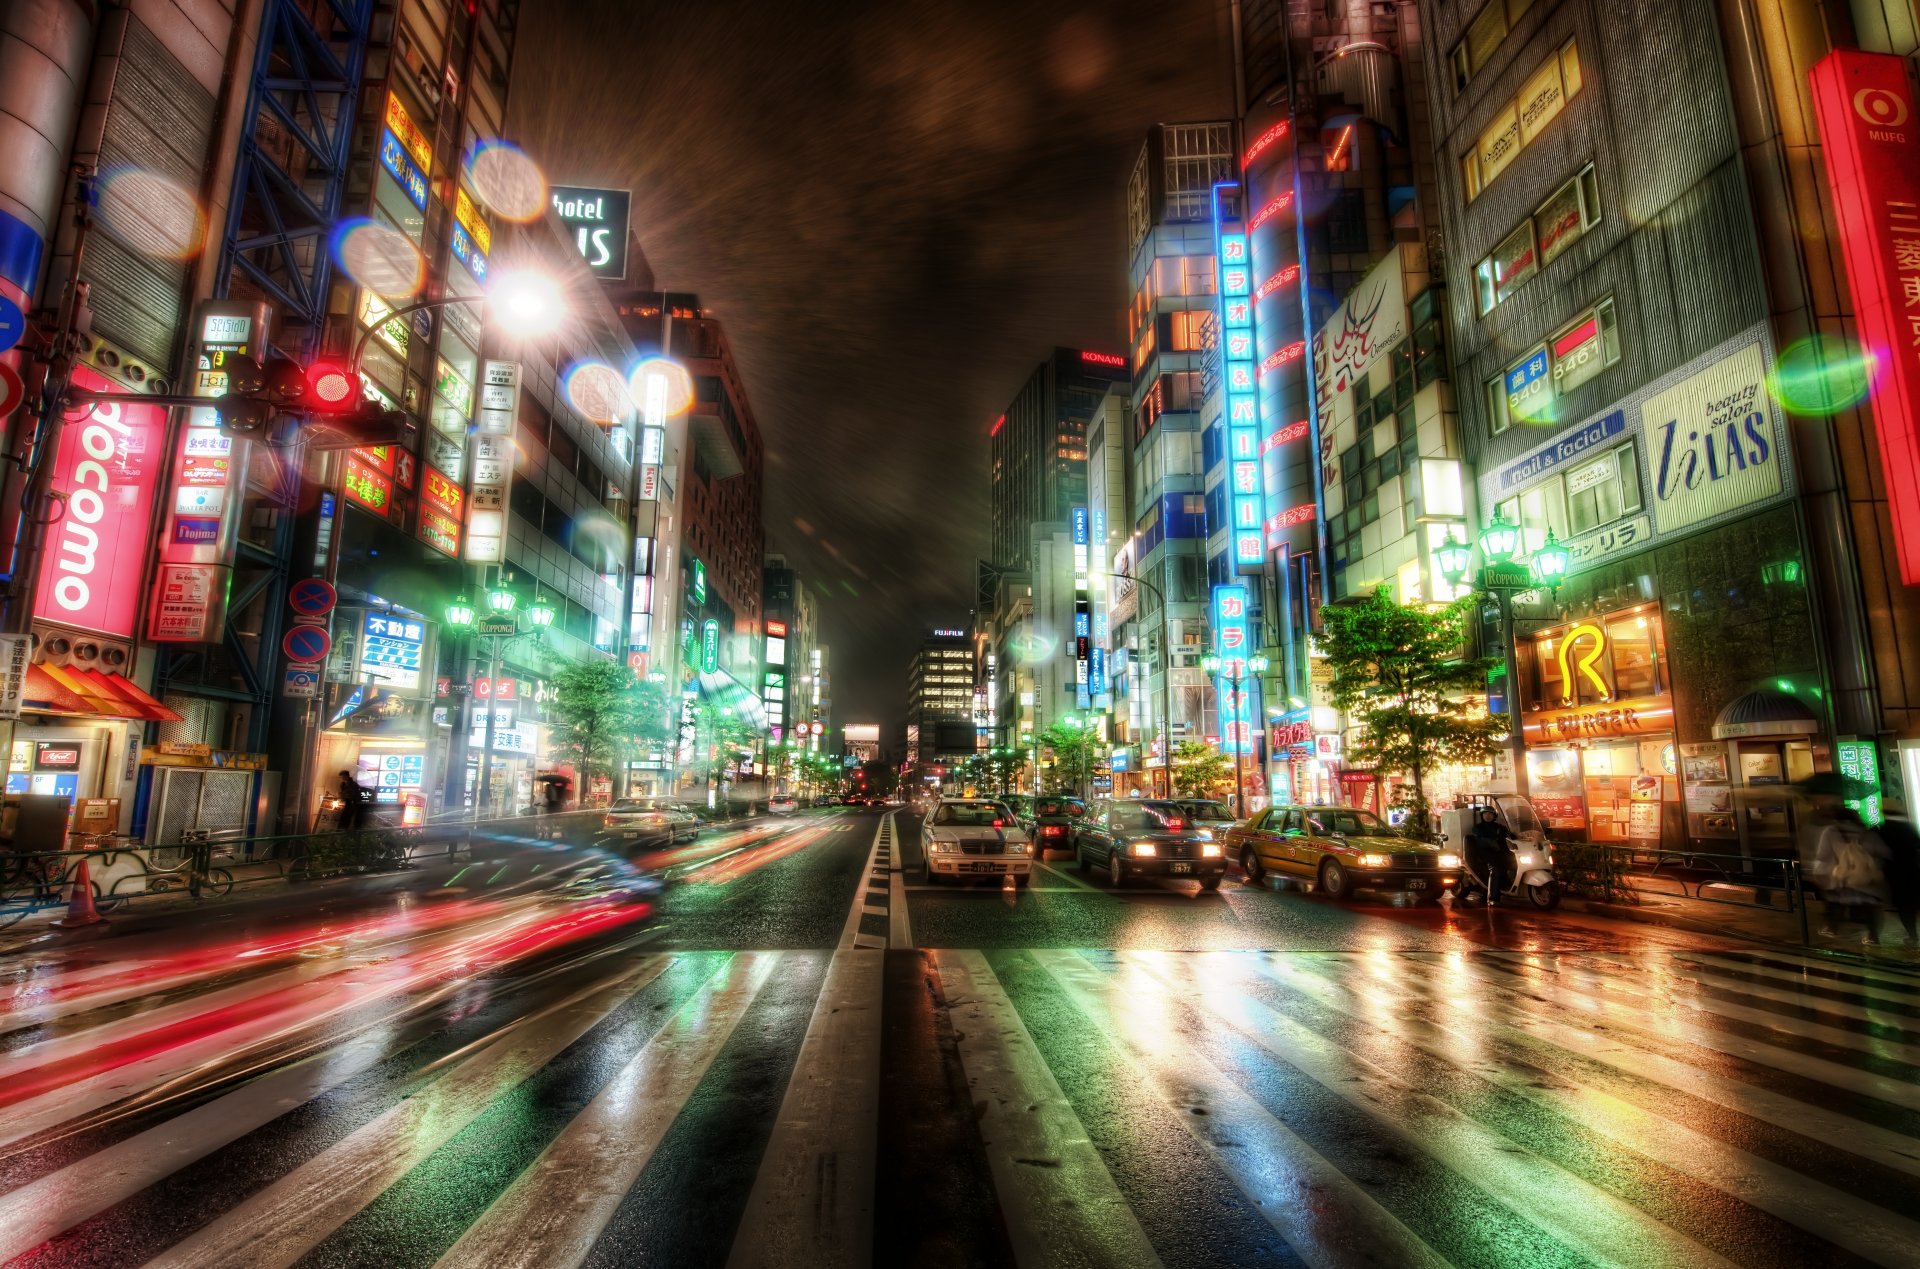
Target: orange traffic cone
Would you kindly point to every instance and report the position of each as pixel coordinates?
(80, 909)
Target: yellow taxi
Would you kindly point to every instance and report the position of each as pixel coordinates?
(1340, 849)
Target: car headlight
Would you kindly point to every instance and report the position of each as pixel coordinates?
(1210, 851)
(1143, 849)
(1449, 861)
(940, 847)
(1372, 860)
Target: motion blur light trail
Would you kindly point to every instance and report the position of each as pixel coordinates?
(737, 866)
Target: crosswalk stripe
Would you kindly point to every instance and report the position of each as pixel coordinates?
(1392, 1009)
(1322, 1213)
(1794, 1197)
(812, 1201)
(552, 1214)
(1903, 985)
(1552, 1199)
(1868, 1002)
(1061, 1205)
(281, 1223)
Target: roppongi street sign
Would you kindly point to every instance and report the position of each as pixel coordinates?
(1870, 141)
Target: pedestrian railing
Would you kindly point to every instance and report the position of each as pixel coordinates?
(1601, 870)
(120, 870)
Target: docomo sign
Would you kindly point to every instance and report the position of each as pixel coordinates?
(1871, 143)
(104, 470)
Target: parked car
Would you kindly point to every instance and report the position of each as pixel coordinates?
(1021, 805)
(782, 804)
(962, 838)
(1131, 838)
(638, 820)
(1340, 849)
(1052, 822)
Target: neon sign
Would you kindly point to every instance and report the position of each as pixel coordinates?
(1244, 482)
(709, 645)
(1232, 642)
(1265, 140)
(1271, 210)
(1286, 277)
(1104, 359)
(1596, 639)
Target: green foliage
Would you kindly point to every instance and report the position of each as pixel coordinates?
(1199, 769)
(720, 735)
(990, 772)
(1399, 672)
(601, 714)
(1070, 751)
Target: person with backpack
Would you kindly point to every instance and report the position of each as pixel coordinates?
(1848, 867)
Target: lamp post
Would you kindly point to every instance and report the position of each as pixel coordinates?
(1233, 667)
(501, 603)
(1502, 577)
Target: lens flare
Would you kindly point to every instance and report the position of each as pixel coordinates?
(598, 392)
(661, 388)
(379, 257)
(1822, 375)
(509, 182)
(153, 215)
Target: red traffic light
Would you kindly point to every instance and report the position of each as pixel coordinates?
(331, 386)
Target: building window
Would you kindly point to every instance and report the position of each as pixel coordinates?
(1187, 327)
(1483, 37)
(1568, 213)
(1591, 496)
(1531, 388)
(1520, 120)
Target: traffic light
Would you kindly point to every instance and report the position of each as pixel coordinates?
(338, 414)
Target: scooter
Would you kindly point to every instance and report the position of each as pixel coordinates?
(1531, 858)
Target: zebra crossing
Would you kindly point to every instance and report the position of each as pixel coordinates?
(773, 1107)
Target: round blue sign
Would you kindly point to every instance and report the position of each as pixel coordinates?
(311, 597)
(13, 323)
(306, 643)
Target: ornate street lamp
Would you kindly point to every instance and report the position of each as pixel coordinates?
(1499, 540)
(542, 612)
(1550, 562)
(1455, 558)
(460, 613)
(501, 600)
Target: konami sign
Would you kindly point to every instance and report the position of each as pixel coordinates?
(1871, 143)
(104, 473)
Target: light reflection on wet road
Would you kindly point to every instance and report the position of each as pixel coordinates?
(531, 1060)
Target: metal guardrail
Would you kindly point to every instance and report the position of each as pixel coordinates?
(1690, 874)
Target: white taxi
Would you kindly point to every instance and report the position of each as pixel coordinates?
(967, 838)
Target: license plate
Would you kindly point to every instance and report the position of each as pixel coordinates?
(631, 833)
(1179, 868)
(1416, 884)
(986, 867)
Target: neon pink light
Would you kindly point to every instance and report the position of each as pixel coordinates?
(1291, 432)
(1287, 519)
(997, 425)
(1292, 352)
(1285, 277)
(1264, 140)
(1104, 359)
(1271, 210)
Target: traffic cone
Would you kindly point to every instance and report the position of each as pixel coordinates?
(80, 909)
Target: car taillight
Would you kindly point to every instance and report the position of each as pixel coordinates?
(1052, 830)
(998, 824)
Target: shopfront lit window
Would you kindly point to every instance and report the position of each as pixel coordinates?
(1529, 390)
(1484, 34)
(1520, 121)
(1559, 222)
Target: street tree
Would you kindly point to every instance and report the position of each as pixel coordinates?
(1070, 746)
(1199, 769)
(1398, 670)
(601, 715)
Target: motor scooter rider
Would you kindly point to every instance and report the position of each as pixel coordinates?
(1489, 852)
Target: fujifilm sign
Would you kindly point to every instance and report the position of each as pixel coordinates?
(598, 219)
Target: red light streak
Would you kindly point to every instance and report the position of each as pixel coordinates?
(1286, 277)
(1291, 432)
(997, 425)
(1287, 519)
(1265, 140)
(1346, 135)
(1271, 210)
(1275, 360)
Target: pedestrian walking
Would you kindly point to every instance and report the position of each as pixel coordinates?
(1902, 866)
(1488, 849)
(354, 797)
(1849, 868)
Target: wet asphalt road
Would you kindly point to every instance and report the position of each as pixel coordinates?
(793, 1054)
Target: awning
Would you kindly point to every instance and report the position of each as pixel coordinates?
(1758, 715)
(70, 692)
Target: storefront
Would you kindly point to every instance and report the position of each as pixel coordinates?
(78, 738)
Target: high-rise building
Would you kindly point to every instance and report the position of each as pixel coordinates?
(795, 675)
(1038, 448)
(939, 717)
(1171, 279)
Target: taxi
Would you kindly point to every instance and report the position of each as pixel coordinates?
(1340, 849)
(966, 838)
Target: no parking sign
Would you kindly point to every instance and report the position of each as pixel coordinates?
(307, 643)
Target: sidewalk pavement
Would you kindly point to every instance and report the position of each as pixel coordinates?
(1737, 917)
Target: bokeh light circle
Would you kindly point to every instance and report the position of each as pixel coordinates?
(598, 392)
(150, 213)
(1822, 375)
(662, 384)
(379, 257)
(510, 183)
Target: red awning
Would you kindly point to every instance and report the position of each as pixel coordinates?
(71, 692)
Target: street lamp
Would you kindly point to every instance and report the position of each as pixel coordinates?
(522, 301)
(542, 612)
(501, 600)
(1502, 578)
(460, 613)
(1232, 666)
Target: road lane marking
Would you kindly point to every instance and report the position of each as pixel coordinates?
(868, 889)
(1581, 1216)
(812, 1199)
(1071, 881)
(554, 1211)
(281, 1223)
(1325, 1216)
(1060, 1203)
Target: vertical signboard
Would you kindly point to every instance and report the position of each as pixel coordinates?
(1871, 143)
(1231, 641)
(492, 462)
(209, 470)
(1235, 280)
(105, 470)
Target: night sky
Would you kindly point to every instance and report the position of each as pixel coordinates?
(896, 208)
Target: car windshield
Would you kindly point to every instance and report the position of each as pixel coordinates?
(1149, 817)
(1347, 822)
(1060, 806)
(978, 814)
(1212, 812)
